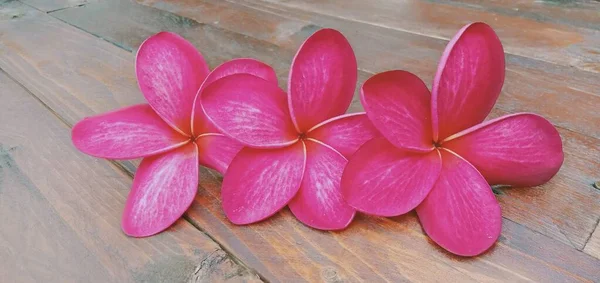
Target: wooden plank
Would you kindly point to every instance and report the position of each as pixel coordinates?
(282, 248)
(61, 211)
(593, 245)
(547, 41)
(568, 100)
(580, 13)
(53, 5)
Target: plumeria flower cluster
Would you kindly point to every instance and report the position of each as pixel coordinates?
(412, 149)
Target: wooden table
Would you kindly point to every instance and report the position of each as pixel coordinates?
(62, 60)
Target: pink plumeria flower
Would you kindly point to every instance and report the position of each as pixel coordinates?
(438, 156)
(170, 132)
(297, 144)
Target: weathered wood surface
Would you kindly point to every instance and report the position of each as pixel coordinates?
(567, 97)
(76, 74)
(548, 41)
(61, 211)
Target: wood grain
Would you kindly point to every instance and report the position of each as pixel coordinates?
(280, 249)
(569, 97)
(61, 211)
(579, 13)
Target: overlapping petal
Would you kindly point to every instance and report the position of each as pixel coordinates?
(163, 188)
(170, 71)
(259, 182)
(251, 110)
(398, 104)
(217, 151)
(383, 180)
(519, 150)
(254, 67)
(468, 80)
(345, 133)
(461, 213)
(319, 203)
(127, 133)
(322, 79)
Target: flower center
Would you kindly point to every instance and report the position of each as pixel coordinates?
(302, 136)
(437, 144)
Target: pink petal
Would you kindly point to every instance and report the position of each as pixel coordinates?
(345, 133)
(127, 133)
(520, 150)
(251, 110)
(216, 151)
(259, 182)
(322, 79)
(170, 71)
(383, 180)
(461, 213)
(201, 124)
(397, 102)
(319, 202)
(163, 188)
(468, 80)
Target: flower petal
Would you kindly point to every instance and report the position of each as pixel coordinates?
(170, 71)
(397, 102)
(164, 187)
(468, 80)
(216, 151)
(383, 180)
(322, 79)
(251, 110)
(519, 150)
(200, 122)
(127, 133)
(259, 182)
(319, 203)
(461, 213)
(345, 133)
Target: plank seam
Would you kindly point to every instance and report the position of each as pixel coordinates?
(589, 237)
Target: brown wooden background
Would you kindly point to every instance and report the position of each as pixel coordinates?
(62, 60)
